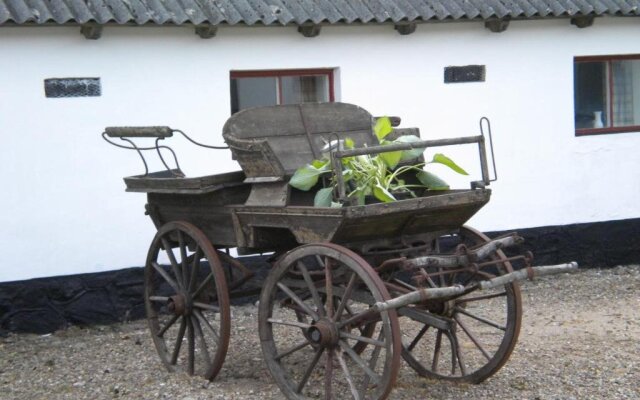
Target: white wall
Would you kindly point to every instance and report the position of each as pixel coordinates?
(64, 209)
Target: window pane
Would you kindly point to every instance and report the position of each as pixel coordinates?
(253, 92)
(590, 91)
(626, 92)
(304, 89)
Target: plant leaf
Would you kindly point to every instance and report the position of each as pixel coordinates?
(431, 181)
(391, 158)
(382, 127)
(349, 143)
(323, 198)
(442, 159)
(320, 164)
(347, 174)
(306, 177)
(382, 194)
(413, 153)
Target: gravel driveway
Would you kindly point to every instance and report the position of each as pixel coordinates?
(580, 339)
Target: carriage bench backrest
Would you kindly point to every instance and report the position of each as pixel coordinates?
(270, 143)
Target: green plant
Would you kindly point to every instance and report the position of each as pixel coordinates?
(372, 175)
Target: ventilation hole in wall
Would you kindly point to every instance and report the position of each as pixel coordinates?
(467, 73)
(72, 87)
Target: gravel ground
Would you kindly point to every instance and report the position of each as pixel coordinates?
(580, 339)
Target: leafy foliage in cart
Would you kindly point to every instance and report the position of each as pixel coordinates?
(372, 175)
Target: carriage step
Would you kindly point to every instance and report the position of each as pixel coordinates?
(528, 273)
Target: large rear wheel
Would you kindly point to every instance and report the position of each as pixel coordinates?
(318, 336)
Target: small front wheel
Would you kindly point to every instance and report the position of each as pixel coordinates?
(313, 307)
(187, 301)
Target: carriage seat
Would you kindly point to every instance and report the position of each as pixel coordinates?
(270, 143)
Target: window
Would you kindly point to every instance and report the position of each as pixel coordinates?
(606, 94)
(268, 88)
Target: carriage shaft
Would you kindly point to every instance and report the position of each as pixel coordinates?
(527, 273)
(418, 296)
(421, 295)
(464, 258)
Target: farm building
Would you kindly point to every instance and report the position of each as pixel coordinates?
(559, 81)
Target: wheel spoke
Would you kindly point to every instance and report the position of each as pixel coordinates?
(183, 259)
(358, 360)
(203, 342)
(205, 306)
(312, 288)
(481, 319)
(328, 375)
(172, 259)
(419, 336)
(292, 350)
(203, 321)
(436, 351)
(328, 287)
(178, 344)
(347, 375)
(428, 278)
(165, 275)
(345, 297)
(309, 370)
(455, 348)
(202, 285)
(364, 339)
(454, 361)
(195, 268)
(168, 325)
(161, 299)
(191, 343)
(298, 301)
(372, 363)
(289, 323)
(473, 338)
(359, 317)
(480, 298)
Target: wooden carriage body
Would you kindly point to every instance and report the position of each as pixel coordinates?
(257, 210)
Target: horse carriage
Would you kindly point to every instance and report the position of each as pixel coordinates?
(353, 288)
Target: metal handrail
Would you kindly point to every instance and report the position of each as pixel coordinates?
(157, 132)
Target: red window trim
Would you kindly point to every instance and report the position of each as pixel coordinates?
(279, 73)
(608, 59)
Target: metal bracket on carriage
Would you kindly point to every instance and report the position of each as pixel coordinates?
(464, 256)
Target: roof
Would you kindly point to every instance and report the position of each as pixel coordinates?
(298, 12)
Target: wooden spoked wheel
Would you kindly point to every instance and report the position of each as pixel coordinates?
(187, 301)
(313, 310)
(471, 336)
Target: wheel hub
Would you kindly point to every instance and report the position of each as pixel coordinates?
(178, 305)
(324, 333)
(444, 308)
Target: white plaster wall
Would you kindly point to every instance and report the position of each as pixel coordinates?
(64, 209)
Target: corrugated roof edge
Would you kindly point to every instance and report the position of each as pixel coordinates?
(298, 12)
